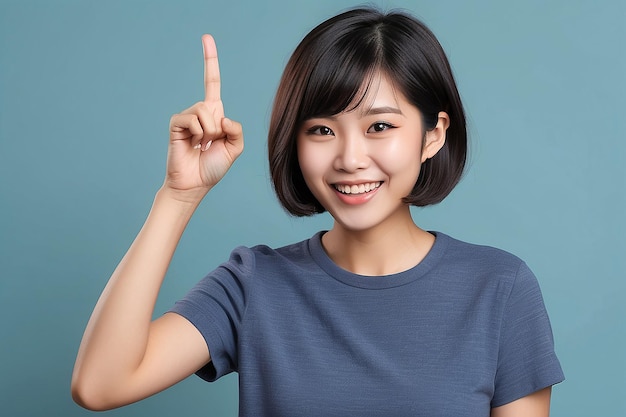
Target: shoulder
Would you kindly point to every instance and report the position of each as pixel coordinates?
(259, 258)
(478, 256)
(486, 267)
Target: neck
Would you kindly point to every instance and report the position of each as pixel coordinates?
(382, 250)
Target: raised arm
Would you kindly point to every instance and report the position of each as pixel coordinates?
(124, 355)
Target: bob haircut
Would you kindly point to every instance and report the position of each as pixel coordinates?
(328, 70)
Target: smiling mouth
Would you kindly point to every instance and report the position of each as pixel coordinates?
(357, 189)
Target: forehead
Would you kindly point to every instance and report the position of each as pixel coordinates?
(376, 92)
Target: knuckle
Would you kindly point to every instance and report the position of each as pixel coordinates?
(176, 120)
(201, 106)
(212, 131)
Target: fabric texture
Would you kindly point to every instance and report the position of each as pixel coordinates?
(463, 331)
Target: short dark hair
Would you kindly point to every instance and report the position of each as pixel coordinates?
(327, 71)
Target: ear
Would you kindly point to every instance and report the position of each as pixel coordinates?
(436, 138)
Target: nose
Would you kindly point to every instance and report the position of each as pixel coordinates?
(352, 153)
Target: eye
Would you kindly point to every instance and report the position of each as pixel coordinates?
(320, 130)
(379, 127)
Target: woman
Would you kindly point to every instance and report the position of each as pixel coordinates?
(373, 317)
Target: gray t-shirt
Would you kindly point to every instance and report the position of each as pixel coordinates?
(463, 331)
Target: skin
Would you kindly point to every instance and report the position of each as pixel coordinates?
(378, 142)
(126, 356)
(533, 405)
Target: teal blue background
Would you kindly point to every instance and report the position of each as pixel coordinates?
(86, 92)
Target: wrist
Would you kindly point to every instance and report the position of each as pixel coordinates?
(186, 198)
(183, 203)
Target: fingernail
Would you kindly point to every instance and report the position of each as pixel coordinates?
(207, 146)
(198, 146)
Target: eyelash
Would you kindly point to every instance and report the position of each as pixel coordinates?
(385, 126)
(317, 130)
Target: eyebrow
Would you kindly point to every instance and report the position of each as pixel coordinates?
(382, 110)
(369, 112)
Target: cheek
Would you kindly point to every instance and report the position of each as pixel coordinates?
(400, 156)
(309, 161)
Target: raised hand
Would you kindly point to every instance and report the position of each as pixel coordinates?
(203, 143)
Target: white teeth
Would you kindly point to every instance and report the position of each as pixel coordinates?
(357, 189)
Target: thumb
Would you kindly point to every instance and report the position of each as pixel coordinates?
(232, 130)
(234, 133)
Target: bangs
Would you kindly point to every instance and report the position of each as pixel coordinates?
(341, 76)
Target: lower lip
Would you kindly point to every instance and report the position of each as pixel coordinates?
(355, 199)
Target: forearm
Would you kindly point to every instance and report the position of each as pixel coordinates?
(116, 336)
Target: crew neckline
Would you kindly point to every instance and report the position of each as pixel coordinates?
(431, 259)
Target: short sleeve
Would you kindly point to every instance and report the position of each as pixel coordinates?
(526, 360)
(215, 306)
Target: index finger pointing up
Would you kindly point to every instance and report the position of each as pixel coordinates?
(211, 69)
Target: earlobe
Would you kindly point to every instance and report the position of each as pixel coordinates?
(436, 138)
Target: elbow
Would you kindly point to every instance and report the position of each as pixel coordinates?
(82, 398)
(87, 396)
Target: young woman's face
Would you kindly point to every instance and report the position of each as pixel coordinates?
(361, 163)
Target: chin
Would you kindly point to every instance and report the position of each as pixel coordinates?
(357, 223)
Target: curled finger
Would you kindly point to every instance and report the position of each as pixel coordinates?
(209, 118)
(186, 127)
